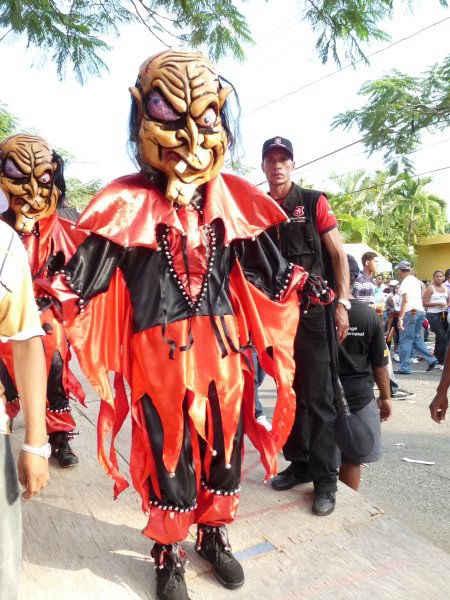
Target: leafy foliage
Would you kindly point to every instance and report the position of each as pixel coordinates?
(389, 214)
(72, 32)
(79, 194)
(399, 109)
(8, 122)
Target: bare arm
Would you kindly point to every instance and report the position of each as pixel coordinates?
(439, 404)
(333, 244)
(427, 296)
(381, 376)
(401, 314)
(30, 372)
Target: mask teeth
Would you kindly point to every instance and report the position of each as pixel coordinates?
(181, 166)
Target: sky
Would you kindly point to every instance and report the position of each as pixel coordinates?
(91, 121)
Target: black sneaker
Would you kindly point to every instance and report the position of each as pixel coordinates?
(400, 394)
(212, 545)
(61, 450)
(169, 566)
(432, 365)
(324, 503)
(287, 479)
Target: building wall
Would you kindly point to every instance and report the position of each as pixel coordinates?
(431, 257)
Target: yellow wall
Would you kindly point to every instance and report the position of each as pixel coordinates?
(432, 254)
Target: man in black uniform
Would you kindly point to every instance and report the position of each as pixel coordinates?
(311, 239)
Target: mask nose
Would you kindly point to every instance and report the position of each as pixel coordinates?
(190, 134)
(31, 188)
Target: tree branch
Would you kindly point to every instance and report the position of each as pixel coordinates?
(3, 36)
(144, 22)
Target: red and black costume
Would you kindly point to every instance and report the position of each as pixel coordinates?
(51, 241)
(170, 300)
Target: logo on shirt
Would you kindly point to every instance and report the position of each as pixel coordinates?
(298, 216)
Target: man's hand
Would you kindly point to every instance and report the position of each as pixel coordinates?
(341, 322)
(400, 324)
(33, 473)
(438, 407)
(385, 408)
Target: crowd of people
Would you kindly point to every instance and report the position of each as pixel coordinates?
(180, 280)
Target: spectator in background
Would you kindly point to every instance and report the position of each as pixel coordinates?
(439, 404)
(363, 357)
(436, 300)
(393, 302)
(410, 321)
(379, 284)
(446, 283)
(363, 288)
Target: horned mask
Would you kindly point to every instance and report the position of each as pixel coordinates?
(27, 171)
(179, 99)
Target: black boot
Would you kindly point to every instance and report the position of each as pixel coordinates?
(212, 545)
(169, 566)
(61, 450)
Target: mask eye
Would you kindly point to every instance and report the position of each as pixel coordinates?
(207, 118)
(11, 170)
(45, 178)
(158, 108)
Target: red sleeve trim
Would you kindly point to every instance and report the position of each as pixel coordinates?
(324, 215)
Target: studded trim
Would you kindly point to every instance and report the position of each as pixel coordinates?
(164, 247)
(234, 492)
(173, 508)
(285, 283)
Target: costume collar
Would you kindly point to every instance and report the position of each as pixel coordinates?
(129, 209)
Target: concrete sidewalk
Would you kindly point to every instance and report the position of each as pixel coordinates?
(80, 545)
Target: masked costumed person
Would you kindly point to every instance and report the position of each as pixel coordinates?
(31, 177)
(175, 278)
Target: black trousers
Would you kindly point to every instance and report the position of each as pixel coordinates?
(439, 326)
(311, 444)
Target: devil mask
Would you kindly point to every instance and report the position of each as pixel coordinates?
(180, 132)
(31, 177)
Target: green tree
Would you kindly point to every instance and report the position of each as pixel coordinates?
(8, 122)
(79, 193)
(73, 32)
(399, 109)
(389, 214)
(415, 211)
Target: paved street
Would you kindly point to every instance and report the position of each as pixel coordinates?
(416, 495)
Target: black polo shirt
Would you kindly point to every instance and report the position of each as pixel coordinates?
(363, 348)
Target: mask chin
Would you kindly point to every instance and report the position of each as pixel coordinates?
(179, 192)
(24, 223)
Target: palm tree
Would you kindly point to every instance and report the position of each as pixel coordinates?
(415, 210)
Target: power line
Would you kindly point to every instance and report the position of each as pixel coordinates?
(365, 166)
(320, 157)
(253, 110)
(372, 187)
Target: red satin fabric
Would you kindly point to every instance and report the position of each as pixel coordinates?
(59, 422)
(127, 212)
(54, 339)
(55, 234)
(129, 209)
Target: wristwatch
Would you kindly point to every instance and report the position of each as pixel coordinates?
(44, 451)
(345, 302)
